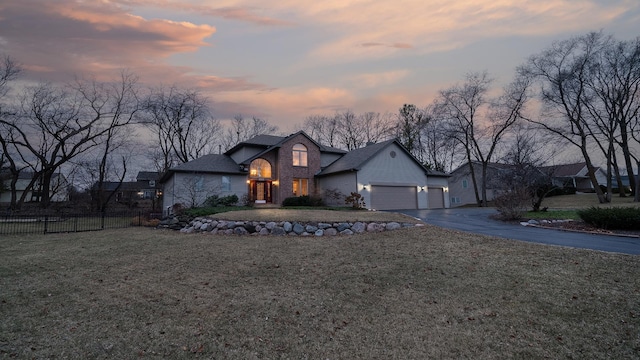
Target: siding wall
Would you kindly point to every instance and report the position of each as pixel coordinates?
(386, 170)
(186, 189)
(343, 182)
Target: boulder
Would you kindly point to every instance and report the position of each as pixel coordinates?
(298, 228)
(331, 232)
(278, 230)
(287, 226)
(358, 227)
(393, 226)
(239, 230)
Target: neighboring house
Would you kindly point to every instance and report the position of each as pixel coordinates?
(58, 192)
(146, 187)
(461, 191)
(564, 176)
(269, 169)
(575, 175)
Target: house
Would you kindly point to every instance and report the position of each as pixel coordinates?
(58, 192)
(461, 191)
(268, 169)
(575, 175)
(563, 176)
(387, 176)
(146, 187)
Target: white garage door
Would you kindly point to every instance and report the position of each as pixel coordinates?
(394, 197)
(436, 198)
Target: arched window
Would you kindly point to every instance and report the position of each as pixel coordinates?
(299, 155)
(260, 168)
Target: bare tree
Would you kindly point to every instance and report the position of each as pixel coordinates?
(182, 123)
(377, 127)
(527, 174)
(348, 130)
(614, 106)
(562, 72)
(9, 71)
(479, 124)
(241, 129)
(441, 151)
(118, 103)
(410, 126)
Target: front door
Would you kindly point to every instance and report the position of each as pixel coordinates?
(261, 191)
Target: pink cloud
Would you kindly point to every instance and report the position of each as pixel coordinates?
(68, 37)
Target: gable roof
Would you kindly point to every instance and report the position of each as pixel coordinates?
(270, 142)
(354, 160)
(566, 170)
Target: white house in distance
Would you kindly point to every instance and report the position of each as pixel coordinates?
(268, 169)
(58, 192)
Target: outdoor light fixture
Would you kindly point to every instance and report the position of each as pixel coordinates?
(364, 187)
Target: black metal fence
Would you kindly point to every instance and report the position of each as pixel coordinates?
(11, 224)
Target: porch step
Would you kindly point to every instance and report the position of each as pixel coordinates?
(266, 206)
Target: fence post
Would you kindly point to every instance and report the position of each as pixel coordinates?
(102, 220)
(46, 223)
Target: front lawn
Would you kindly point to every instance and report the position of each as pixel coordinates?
(420, 292)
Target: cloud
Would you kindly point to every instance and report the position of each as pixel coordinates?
(285, 107)
(68, 37)
(230, 10)
(370, 80)
(366, 29)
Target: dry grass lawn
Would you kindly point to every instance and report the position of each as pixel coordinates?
(583, 201)
(408, 294)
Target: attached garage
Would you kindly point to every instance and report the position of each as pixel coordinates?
(394, 197)
(436, 198)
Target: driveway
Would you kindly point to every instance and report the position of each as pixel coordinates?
(476, 220)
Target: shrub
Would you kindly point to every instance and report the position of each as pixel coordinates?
(355, 200)
(304, 200)
(215, 200)
(332, 196)
(513, 204)
(612, 218)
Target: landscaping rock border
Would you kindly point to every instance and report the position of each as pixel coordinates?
(280, 228)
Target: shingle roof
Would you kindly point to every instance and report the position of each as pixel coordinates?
(148, 175)
(355, 159)
(565, 169)
(213, 163)
(264, 140)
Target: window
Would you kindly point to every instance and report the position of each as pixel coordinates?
(260, 168)
(226, 183)
(300, 187)
(199, 183)
(465, 183)
(299, 155)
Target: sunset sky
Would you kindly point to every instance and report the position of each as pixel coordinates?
(285, 60)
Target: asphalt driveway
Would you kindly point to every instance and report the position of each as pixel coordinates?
(477, 220)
